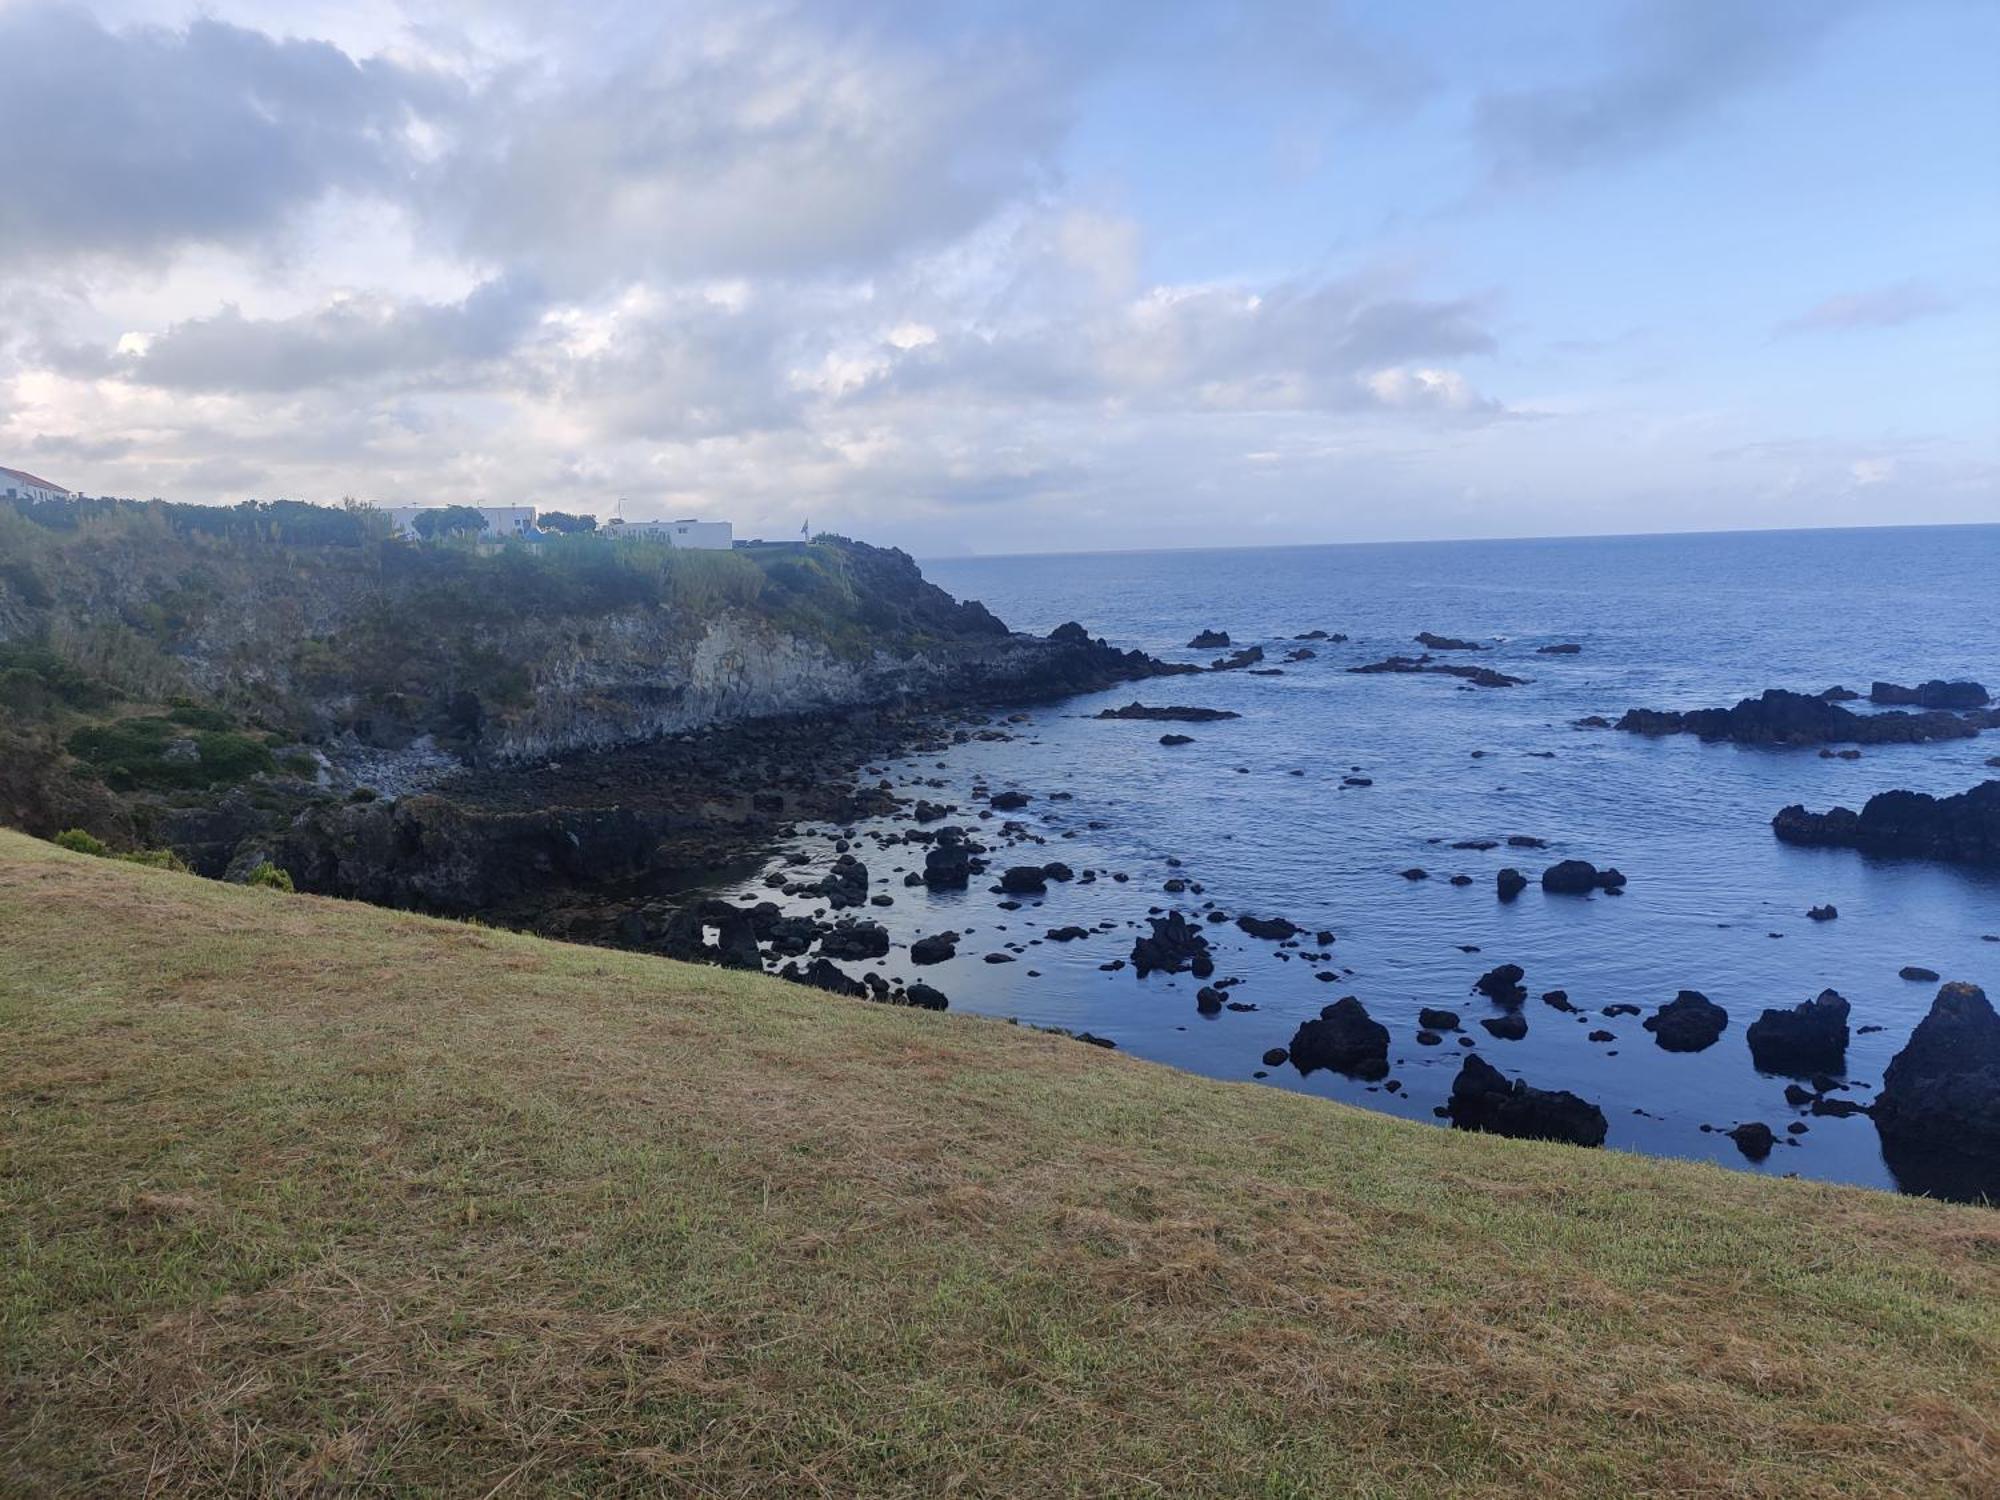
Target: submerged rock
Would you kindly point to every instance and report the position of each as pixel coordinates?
(1483, 1099)
(1445, 642)
(1172, 713)
(1690, 1022)
(1566, 648)
(1276, 929)
(1345, 1039)
(1807, 1039)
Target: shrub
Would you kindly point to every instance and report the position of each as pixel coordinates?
(78, 842)
(130, 754)
(272, 876)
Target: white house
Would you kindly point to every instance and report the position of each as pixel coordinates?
(501, 520)
(18, 485)
(713, 535)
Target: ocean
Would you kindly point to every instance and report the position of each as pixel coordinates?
(1258, 812)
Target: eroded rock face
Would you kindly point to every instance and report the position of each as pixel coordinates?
(1690, 1022)
(1964, 828)
(1809, 1038)
(1345, 1039)
(1939, 1109)
(1482, 1098)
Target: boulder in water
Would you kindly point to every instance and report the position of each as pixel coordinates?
(1345, 1039)
(1807, 1039)
(1689, 1022)
(1483, 1099)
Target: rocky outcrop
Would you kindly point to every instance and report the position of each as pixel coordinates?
(1175, 944)
(1169, 713)
(1778, 717)
(1445, 642)
(1345, 1039)
(1964, 828)
(1483, 1099)
(1808, 1039)
(1932, 694)
(1210, 640)
(1579, 877)
(1690, 1022)
(1477, 676)
(1939, 1109)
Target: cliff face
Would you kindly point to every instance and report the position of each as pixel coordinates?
(227, 692)
(382, 654)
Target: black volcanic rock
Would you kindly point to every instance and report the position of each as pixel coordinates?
(1824, 913)
(1276, 929)
(1807, 1039)
(1754, 1140)
(1510, 882)
(1171, 740)
(1172, 714)
(1024, 880)
(1779, 717)
(1176, 944)
(1477, 676)
(1940, 1100)
(948, 862)
(1209, 640)
(935, 949)
(1445, 642)
(1571, 877)
(1437, 1020)
(1964, 828)
(1502, 985)
(1248, 657)
(852, 940)
(1483, 1099)
(1508, 1028)
(1689, 1022)
(1566, 648)
(1345, 1039)
(1932, 694)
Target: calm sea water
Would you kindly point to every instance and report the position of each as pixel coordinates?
(1256, 811)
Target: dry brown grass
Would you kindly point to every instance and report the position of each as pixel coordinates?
(305, 1198)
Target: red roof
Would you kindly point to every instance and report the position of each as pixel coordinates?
(25, 477)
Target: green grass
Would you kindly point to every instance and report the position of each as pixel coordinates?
(302, 1197)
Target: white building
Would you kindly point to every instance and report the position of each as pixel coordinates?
(714, 535)
(16, 484)
(501, 520)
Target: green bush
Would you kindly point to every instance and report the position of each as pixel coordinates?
(78, 842)
(131, 754)
(268, 874)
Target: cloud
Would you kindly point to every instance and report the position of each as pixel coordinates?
(1884, 307)
(748, 141)
(1676, 62)
(354, 338)
(135, 142)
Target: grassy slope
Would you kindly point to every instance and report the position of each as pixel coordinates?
(305, 1196)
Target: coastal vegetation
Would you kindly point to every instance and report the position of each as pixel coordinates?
(154, 656)
(305, 1195)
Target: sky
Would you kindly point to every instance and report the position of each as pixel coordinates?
(990, 278)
